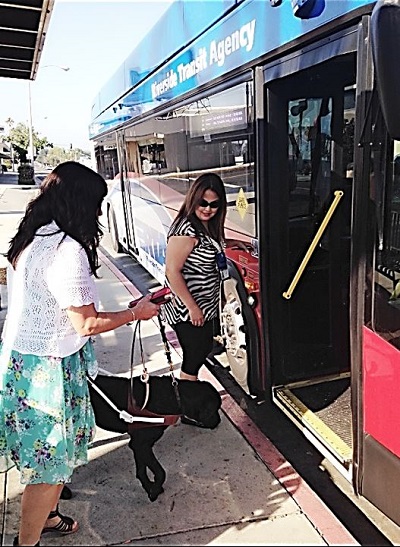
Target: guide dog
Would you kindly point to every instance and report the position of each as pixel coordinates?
(197, 403)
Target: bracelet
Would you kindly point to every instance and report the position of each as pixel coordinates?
(133, 316)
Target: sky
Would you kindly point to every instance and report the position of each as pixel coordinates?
(92, 38)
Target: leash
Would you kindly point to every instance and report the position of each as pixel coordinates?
(133, 407)
(137, 334)
(145, 375)
(171, 367)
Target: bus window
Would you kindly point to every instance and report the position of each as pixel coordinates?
(309, 154)
(214, 133)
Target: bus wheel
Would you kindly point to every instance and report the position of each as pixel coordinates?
(112, 226)
(234, 334)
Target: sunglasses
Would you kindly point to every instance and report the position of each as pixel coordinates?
(213, 204)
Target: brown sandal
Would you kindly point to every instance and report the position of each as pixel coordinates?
(66, 525)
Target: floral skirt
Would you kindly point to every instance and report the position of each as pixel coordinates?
(46, 418)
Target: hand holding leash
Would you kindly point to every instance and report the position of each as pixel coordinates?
(144, 308)
(162, 296)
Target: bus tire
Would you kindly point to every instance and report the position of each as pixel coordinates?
(112, 227)
(240, 333)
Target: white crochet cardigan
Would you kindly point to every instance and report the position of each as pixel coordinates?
(52, 274)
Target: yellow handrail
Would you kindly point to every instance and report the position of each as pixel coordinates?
(338, 195)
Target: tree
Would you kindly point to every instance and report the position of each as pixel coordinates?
(19, 137)
(46, 153)
(55, 155)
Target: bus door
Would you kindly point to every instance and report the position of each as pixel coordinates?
(306, 221)
(127, 183)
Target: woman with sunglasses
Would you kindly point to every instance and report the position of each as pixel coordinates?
(194, 264)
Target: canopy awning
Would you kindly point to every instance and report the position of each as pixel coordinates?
(23, 27)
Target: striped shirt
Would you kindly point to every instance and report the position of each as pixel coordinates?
(201, 275)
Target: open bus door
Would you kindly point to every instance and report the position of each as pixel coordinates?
(125, 173)
(308, 202)
(330, 261)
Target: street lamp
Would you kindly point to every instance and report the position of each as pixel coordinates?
(31, 147)
(31, 150)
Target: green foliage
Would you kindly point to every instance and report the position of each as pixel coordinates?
(55, 155)
(19, 137)
(46, 153)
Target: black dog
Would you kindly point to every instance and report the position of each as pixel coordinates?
(198, 403)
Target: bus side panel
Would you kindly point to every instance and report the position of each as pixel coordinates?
(381, 486)
(152, 221)
(381, 392)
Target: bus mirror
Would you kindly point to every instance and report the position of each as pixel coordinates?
(385, 36)
(307, 9)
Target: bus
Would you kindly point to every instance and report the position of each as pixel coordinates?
(296, 106)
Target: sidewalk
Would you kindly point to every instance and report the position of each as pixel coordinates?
(224, 487)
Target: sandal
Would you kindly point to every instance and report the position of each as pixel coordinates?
(66, 525)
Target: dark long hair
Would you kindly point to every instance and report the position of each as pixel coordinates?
(207, 181)
(71, 196)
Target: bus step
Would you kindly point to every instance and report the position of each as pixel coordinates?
(307, 420)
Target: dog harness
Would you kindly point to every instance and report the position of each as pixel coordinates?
(137, 416)
(133, 407)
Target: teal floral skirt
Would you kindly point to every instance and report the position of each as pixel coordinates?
(46, 418)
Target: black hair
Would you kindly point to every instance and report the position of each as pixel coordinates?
(207, 181)
(71, 196)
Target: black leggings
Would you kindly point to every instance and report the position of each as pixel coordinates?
(196, 344)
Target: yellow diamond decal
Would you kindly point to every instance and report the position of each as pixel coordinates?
(241, 203)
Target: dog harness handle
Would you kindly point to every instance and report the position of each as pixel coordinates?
(166, 419)
(137, 334)
(168, 355)
(123, 414)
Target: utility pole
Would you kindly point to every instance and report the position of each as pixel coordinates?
(31, 147)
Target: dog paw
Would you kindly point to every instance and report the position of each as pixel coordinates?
(66, 493)
(155, 492)
(210, 423)
(191, 421)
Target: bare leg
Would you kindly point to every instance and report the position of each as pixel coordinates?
(191, 377)
(37, 502)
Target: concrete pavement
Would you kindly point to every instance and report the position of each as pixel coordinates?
(224, 487)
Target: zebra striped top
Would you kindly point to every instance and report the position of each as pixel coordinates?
(201, 275)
